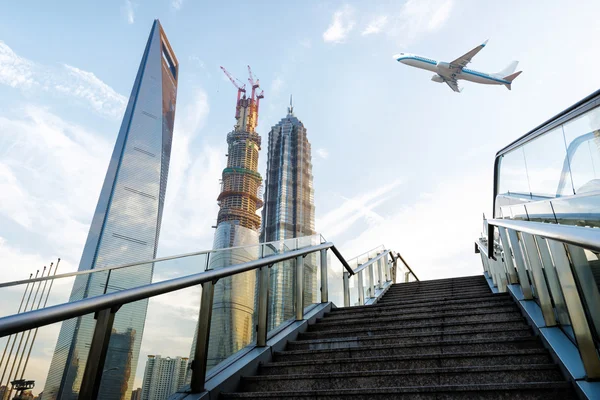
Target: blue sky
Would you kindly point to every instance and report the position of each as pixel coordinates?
(398, 159)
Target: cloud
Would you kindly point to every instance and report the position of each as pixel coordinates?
(128, 10)
(323, 153)
(418, 17)
(20, 73)
(376, 25)
(276, 86)
(341, 25)
(409, 230)
(51, 172)
(351, 210)
(176, 4)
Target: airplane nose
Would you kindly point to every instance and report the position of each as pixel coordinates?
(398, 57)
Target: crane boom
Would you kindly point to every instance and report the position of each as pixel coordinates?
(239, 85)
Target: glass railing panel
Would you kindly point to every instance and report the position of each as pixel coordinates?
(335, 271)
(540, 211)
(353, 284)
(586, 265)
(168, 342)
(518, 212)
(578, 210)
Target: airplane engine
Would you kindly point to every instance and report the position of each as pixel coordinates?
(443, 67)
(437, 78)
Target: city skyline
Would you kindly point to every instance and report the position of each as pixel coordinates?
(163, 376)
(125, 228)
(62, 101)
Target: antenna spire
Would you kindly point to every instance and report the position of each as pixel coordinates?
(291, 107)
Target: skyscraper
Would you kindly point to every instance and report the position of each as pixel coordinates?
(232, 325)
(289, 211)
(163, 377)
(125, 228)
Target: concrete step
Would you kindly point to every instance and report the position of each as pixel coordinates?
(419, 338)
(513, 391)
(430, 299)
(501, 297)
(399, 288)
(500, 322)
(463, 279)
(417, 319)
(377, 312)
(425, 294)
(415, 377)
(443, 346)
(410, 362)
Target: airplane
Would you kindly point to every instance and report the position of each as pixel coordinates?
(451, 72)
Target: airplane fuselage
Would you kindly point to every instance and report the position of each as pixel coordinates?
(446, 70)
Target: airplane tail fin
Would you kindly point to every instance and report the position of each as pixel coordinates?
(511, 78)
(510, 68)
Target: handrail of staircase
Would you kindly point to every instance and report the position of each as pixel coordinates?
(407, 266)
(371, 261)
(549, 262)
(154, 260)
(105, 307)
(570, 234)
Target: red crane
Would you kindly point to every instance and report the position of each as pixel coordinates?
(241, 87)
(255, 84)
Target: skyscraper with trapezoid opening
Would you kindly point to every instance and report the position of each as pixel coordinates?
(125, 228)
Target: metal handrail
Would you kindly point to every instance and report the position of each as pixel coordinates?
(575, 235)
(45, 316)
(371, 261)
(407, 266)
(133, 264)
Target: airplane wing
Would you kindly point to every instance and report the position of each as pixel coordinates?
(463, 60)
(453, 84)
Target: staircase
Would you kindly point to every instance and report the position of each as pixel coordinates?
(442, 339)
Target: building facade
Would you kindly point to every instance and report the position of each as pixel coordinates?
(238, 224)
(163, 377)
(289, 211)
(125, 228)
(136, 394)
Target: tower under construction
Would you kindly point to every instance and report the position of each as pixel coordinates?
(238, 224)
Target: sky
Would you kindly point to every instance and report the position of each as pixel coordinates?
(397, 159)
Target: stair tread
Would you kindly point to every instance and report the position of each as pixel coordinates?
(492, 353)
(413, 345)
(413, 335)
(425, 371)
(412, 389)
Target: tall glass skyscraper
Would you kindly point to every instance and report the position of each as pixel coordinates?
(238, 224)
(289, 211)
(125, 228)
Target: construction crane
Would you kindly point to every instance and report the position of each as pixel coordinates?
(241, 87)
(255, 84)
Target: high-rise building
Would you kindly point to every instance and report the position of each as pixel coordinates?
(238, 224)
(289, 211)
(125, 228)
(163, 377)
(136, 394)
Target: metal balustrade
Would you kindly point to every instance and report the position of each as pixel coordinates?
(557, 266)
(105, 306)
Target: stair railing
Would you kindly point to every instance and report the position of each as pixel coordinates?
(105, 306)
(558, 266)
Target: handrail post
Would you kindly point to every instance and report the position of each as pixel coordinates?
(386, 264)
(520, 261)
(394, 270)
(512, 274)
(380, 271)
(201, 353)
(361, 292)
(346, 277)
(92, 376)
(299, 288)
(263, 298)
(579, 322)
(324, 282)
(371, 281)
